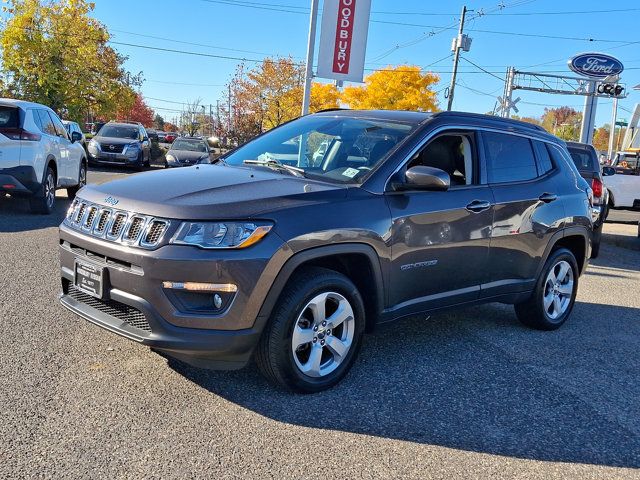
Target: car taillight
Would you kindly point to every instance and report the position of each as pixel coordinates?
(596, 186)
(20, 134)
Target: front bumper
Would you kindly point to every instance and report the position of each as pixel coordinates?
(136, 305)
(115, 158)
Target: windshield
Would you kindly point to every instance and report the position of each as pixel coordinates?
(189, 146)
(338, 149)
(119, 131)
(628, 160)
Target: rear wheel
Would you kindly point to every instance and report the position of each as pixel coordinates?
(44, 201)
(82, 181)
(315, 332)
(555, 293)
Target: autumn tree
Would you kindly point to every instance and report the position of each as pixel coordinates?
(138, 112)
(170, 127)
(563, 122)
(269, 95)
(532, 120)
(56, 54)
(158, 122)
(601, 138)
(404, 87)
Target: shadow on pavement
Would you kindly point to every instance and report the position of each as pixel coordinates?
(15, 215)
(478, 381)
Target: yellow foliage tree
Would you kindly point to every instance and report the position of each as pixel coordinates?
(404, 87)
(56, 54)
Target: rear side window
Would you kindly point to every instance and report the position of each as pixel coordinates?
(544, 159)
(9, 117)
(46, 124)
(509, 158)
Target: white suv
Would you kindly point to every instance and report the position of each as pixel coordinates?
(37, 156)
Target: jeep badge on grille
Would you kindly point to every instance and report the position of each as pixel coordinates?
(111, 201)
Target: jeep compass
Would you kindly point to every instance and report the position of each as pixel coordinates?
(282, 255)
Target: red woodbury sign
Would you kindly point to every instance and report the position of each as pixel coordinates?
(343, 39)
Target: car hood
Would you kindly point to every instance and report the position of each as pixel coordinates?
(115, 140)
(210, 192)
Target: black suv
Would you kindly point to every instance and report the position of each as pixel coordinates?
(290, 258)
(121, 143)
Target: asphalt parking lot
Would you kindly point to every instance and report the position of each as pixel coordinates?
(472, 394)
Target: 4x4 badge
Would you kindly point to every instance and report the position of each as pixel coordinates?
(111, 201)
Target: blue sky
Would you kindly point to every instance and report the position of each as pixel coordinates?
(258, 28)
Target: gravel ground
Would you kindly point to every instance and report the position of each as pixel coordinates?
(471, 394)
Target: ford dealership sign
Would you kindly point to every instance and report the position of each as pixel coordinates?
(597, 65)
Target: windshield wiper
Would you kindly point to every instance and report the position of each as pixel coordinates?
(277, 165)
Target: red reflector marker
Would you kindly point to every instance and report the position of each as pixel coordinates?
(8, 186)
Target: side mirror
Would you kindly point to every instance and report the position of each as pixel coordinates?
(425, 178)
(608, 171)
(76, 137)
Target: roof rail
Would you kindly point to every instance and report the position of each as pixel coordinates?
(520, 123)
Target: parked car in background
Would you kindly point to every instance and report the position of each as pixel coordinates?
(152, 134)
(586, 160)
(121, 143)
(290, 265)
(37, 155)
(624, 186)
(74, 127)
(187, 151)
(162, 137)
(169, 137)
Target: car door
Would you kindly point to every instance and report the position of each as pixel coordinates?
(525, 187)
(440, 239)
(50, 140)
(69, 161)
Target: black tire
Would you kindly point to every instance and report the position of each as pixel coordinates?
(44, 201)
(532, 311)
(595, 243)
(274, 355)
(140, 162)
(147, 163)
(82, 181)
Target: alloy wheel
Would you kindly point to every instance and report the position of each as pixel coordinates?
(323, 334)
(558, 290)
(50, 190)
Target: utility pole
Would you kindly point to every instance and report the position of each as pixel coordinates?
(456, 58)
(612, 133)
(308, 76)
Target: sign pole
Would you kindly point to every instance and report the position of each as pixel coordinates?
(589, 113)
(308, 76)
(612, 133)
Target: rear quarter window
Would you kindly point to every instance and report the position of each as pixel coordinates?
(509, 158)
(9, 117)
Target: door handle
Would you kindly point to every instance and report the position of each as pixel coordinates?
(548, 197)
(478, 206)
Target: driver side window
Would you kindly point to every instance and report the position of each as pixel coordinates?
(454, 153)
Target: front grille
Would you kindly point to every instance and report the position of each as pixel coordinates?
(102, 221)
(154, 232)
(112, 148)
(91, 216)
(134, 230)
(119, 226)
(128, 314)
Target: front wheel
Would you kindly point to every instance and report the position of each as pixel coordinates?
(315, 332)
(554, 295)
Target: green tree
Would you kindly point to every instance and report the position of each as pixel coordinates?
(563, 122)
(158, 122)
(54, 53)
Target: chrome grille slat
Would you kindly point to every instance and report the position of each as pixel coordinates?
(118, 226)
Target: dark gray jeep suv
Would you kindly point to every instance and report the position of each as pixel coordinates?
(290, 257)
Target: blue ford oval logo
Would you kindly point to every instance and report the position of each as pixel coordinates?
(597, 65)
(111, 201)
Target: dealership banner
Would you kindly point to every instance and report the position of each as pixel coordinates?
(343, 39)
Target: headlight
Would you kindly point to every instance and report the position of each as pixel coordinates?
(220, 234)
(170, 158)
(132, 148)
(93, 146)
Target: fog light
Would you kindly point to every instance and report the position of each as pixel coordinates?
(217, 301)
(201, 287)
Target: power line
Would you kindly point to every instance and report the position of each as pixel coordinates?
(482, 69)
